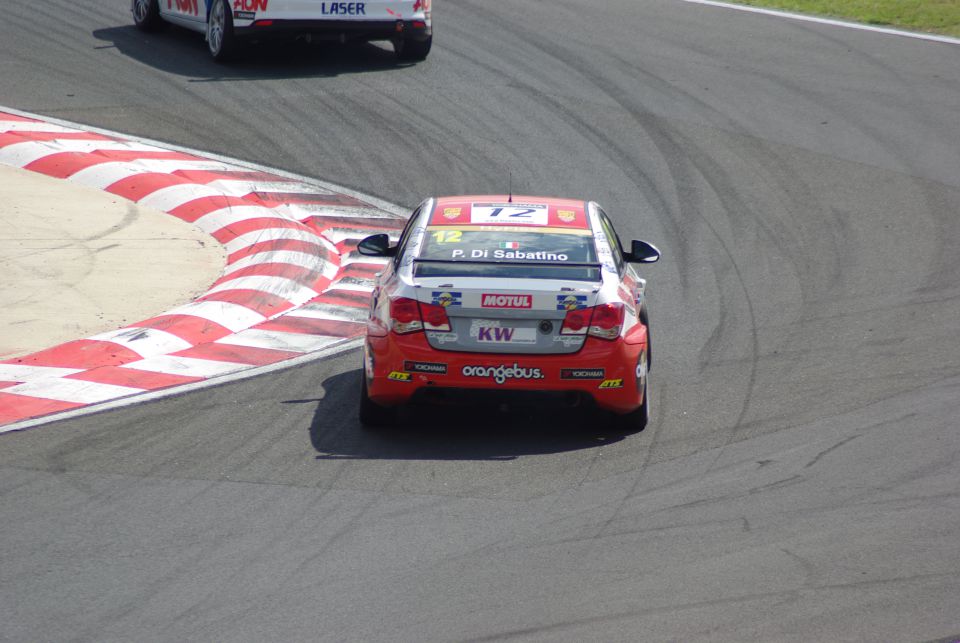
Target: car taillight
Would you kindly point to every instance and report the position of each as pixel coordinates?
(434, 317)
(576, 322)
(405, 316)
(607, 320)
(604, 321)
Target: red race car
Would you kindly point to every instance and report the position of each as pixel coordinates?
(514, 299)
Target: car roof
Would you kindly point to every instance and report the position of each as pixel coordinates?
(470, 210)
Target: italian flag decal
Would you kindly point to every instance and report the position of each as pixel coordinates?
(509, 245)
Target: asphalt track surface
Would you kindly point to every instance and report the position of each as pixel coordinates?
(800, 478)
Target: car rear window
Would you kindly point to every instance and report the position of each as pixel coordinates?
(508, 252)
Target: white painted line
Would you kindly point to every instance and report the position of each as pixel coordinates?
(188, 366)
(27, 373)
(76, 391)
(216, 219)
(21, 154)
(173, 196)
(271, 234)
(829, 21)
(27, 126)
(327, 311)
(145, 342)
(306, 210)
(279, 340)
(332, 351)
(288, 289)
(229, 315)
(328, 269)
(104, 175)
(352, 284)
(243, 187)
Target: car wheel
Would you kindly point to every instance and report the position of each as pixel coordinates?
(146, 15)
(409, 50)
(371, 413)
(637, 420)
(220, 37)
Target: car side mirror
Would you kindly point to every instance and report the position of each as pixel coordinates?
(641, 252)
(377, 245)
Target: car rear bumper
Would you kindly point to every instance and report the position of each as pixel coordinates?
(404, 368)
(337, 29)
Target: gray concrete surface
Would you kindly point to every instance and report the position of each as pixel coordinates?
(800, 478)
(77, 261)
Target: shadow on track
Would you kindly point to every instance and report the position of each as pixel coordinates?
(184, 53)
(448, 433)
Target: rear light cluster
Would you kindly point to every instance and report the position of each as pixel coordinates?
(411, 316)
(604, 321)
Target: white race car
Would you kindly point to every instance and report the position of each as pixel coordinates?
(407, 23)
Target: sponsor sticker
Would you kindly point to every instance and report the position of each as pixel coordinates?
(490, 331)
(186, 6)
(567, 216)
(495, 300)
(433, 368)
(571, 302)
(500, 374)
(343, 8)
(509, 213)
(452, 213)
(499, 335)
(244, 15)
(581, 373)
(444, 338)
(446, 298)
(617, 383)
(448, 236)
(400, 376)
(249, 5)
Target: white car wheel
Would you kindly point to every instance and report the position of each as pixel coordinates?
(220, 38)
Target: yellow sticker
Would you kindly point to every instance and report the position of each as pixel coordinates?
(618, 383)
(451, 213)
(448, 236)
(399, 376)
(566, 215)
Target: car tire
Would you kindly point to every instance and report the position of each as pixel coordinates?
(637, 420)
(645, 320)
(146, 15)
(372, 414)
(221, 41)
(409, 50)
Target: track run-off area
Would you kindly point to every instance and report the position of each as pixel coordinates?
(800, 477)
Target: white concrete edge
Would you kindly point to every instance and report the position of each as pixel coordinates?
(139, 398)
(392, 208)
(828, 21)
